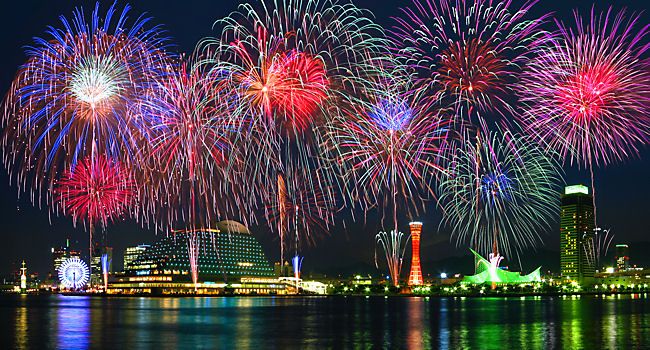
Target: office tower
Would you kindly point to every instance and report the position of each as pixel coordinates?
(577, 224)
(622, 257)
(132, 253)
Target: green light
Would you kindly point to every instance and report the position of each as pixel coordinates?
(576, 189)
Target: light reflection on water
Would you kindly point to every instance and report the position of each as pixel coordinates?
(337, 322)
(72, 323)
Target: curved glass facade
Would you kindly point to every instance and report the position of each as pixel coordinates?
(224, 254)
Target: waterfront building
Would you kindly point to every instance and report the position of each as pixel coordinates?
(622, 257)
(489, 273)
(577, 260)
(415, 276)
(132, 253)
(229, 259)
(631, 277)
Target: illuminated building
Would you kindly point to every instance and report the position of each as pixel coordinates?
(489, 272)
(132, 253)
(59, 255)
(622, 257)
(96, 266)
(576, 234)
(415, 277)
(237, 264)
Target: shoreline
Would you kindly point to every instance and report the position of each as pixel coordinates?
(356, 295)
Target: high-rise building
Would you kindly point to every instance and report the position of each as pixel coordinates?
(415, 277)
(577, 224)
(59, 255)
(132, 253)
(622, 257)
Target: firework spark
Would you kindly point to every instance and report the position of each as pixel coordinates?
(499, 193)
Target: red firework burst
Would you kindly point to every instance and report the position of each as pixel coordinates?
(96, 190)
(288, 86)
(467, 53)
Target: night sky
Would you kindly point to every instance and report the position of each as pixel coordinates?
(28, 232)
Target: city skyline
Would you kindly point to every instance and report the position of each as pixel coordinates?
(327, 174)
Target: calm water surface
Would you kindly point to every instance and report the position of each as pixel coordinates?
(68, 322)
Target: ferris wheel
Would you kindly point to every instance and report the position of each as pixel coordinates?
(73, 273)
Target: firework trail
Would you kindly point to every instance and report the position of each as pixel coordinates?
(467, 53)
(72, 98)
(95, 191)
(312, 212)
(386, 150)
(394, 246)
(500, 191)
(290, 62)
(587, 95)
(597, 246)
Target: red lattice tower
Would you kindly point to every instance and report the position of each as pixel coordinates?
(415, 277)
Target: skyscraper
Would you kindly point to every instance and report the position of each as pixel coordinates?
(132, 253)
(622, 257)
(415, 277)
(577, 224)
(59, 255)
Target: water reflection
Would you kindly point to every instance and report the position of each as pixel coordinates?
(22, 326)
(73, 321)
(417, 336)
(315, 323)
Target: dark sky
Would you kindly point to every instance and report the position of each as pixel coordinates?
(29, 233)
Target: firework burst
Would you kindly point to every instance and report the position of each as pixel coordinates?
(191, 123)
(290, 62)
(386, 150)
(72, 98)
(466, 53)
(587, 95)
(394, 246)
(499, 193)
(96, 191)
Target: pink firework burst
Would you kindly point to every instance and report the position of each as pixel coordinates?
(95, 191)
(587, 95)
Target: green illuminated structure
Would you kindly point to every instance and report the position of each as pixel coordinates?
(238, 254)
(490, 273)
